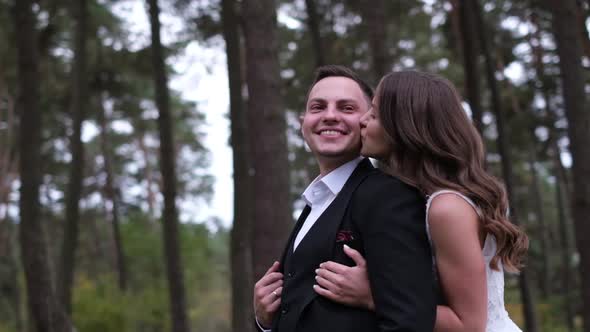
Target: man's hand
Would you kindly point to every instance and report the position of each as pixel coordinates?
(344, 284)
(267, 295)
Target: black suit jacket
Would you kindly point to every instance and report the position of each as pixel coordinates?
(384, 219)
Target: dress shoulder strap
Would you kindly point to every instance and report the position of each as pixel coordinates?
(431, 197)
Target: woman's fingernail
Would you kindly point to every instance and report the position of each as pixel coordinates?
(346, 246)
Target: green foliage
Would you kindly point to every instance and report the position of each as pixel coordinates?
(99, 306)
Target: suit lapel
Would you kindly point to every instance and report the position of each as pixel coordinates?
(296, 229)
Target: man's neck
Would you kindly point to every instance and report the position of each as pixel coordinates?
(328, 165)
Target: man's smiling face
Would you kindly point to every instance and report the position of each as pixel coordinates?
(330, 125)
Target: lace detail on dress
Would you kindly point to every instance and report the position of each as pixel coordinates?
(498, 319)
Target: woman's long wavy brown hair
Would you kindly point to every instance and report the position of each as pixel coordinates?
(436, 146)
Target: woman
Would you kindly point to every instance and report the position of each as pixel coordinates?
(418, 129)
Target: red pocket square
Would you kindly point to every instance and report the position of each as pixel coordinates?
(344, 236)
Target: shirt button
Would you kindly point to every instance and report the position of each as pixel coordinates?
(285, 310)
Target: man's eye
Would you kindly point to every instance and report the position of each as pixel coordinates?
(315, 107)
(349, 108)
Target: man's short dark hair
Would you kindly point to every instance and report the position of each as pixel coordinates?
(341, 71)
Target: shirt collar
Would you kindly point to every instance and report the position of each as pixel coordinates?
(333, 181)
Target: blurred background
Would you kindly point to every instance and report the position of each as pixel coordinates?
(151, 161)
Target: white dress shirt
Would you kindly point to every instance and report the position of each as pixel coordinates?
(319, 195)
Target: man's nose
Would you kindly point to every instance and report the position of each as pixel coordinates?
(331, 113)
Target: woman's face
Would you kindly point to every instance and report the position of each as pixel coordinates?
(375, 141)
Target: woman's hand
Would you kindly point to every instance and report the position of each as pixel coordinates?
(345, 284)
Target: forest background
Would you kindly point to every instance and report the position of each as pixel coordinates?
(128, 128)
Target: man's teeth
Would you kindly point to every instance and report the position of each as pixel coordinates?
(330, 132)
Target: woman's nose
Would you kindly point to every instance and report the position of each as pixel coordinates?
(363, 121)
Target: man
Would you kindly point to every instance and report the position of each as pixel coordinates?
(351, 204)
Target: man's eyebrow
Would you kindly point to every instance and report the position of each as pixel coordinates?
(321, 100)
(347, 101)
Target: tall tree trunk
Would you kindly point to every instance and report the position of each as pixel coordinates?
(241, 248)
(569, 50)
(148, 172)
(74, 190)
(8, 153)
(561, 195)
(98, 247)
(9, 271)
(564, 240)
(506, 159)
(537, 52)
(374, 16)
(581, 16)
(455, 18)
(470, 61)
(46, 312)
(111, 195)
(544, 277)
(272, 217)
(167, 164)
(19, 315)
(9, 267)
(313, 24)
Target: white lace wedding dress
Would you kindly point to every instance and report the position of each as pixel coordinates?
(498, 319)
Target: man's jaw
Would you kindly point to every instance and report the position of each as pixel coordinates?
(328, 163)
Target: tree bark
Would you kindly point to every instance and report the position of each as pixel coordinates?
(76, 172)
(46, 312)
(581, 16)
(470, 60)
(171, 239)
(272, 217)
(455, 17)
(10, 292)
(148, 172)
(313, 24)
(8, 153)
(566, 282)
(569, 50)
(544, 276)
(506, 160)
(561, 195)
(374, 17)
(111, 195)
(241, 248)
